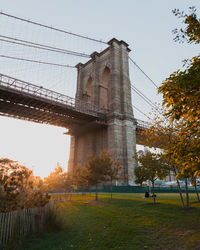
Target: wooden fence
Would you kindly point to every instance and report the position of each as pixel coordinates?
(16, 224)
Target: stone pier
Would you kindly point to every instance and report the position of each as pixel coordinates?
(104, 81)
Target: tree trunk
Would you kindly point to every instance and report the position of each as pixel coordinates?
(179, 189)
(187, 194)
(96, 192)
(154, 198)
(180, 193)
(195, 185)
(111, 189)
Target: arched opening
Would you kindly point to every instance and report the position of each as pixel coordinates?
(104, 88)
(88, 90)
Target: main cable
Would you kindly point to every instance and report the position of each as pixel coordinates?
(143, 72)
(34, 61)
(52, 28)
(42, 46)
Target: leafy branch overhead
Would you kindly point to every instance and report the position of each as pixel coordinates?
(191, 33)
(181, 93)
(181, 102)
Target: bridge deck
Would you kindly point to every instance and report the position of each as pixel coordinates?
(23, 100)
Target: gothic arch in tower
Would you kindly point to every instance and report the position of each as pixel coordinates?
(88, 90)
(104, 87)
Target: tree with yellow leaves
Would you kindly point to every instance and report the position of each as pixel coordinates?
(151, 167)
(19, 188)
(95, 171)
(181, 97)
(166, 135)
(98, 169)
(112, 169)
(57, 179)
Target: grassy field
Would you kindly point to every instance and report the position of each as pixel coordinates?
(127, 222)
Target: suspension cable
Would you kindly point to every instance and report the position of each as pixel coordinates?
(42, 46)
(52, 28)
(34, 61)
(140, 111)
(143, 72)
(145, 98)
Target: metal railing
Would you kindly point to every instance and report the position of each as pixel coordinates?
(142, 124)
(33, 90)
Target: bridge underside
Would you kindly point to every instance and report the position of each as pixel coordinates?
(37, 109)
(26, 101)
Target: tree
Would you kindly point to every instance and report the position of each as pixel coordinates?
(168, 136)
(193, 180)
(181, 96)
(140, 174)
(96, 171)
(19, 187)
(2, 198)
(181, 91)
(191, 33)
(57, 179)
(185, 153)
(112, 169)
(151, 167)
(79, 176)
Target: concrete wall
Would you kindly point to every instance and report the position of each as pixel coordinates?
(108, 75)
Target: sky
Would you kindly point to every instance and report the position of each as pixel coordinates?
(145, 25)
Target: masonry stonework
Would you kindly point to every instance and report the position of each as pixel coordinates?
(104, 81)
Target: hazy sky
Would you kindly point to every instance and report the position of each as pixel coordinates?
(145, 25)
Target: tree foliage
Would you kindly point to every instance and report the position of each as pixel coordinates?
(112, 169)
(140, 175)
(181, 97)
(167, 136)
(181, 91)
(151, 167)
(19, 188)
(79, 176)
(94, 171)
(98, 169)
(57, 179)
(191, 33)
(181, 94)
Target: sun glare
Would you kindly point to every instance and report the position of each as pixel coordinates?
(37, 146)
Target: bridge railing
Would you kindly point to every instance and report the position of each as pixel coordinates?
(142, 124)
(39, 91)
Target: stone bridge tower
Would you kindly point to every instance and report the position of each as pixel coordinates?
(104, 81)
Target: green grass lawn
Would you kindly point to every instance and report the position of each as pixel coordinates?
(127, 222)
